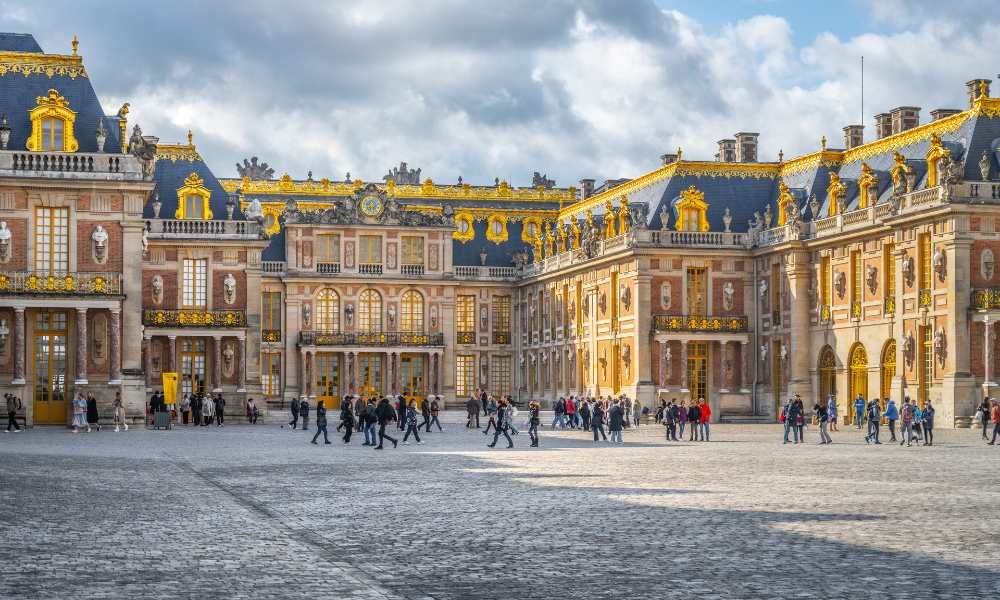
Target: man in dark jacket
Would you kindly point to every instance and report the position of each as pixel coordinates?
(483, 400)
(304, 413)
(14, 405)
(425, 414)
(220, 410)
(473, 409)
(359, 407)
(597, 421)
(320, 423)
(385, 415)
(400, 411)
(295, 413)
(196, 401)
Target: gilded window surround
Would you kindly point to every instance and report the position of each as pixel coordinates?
(865, 182)
(692, 198)
(469, 234)
(195, 186)
(52, 106)
(934, 155)
(497, 238)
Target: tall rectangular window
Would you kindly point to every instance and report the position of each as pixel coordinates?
(465, 374)
(370, 251)
(465, 319)
(888, 274)
(193, 207)
(824, 281)
(52, 134)
(926, 377)
(501, 313)
(856, 291)
(696, 281)
(270, 313)
(195, 282)
(412, 250)
(51, 239)
(328, 248)
(614, 301)
(500, 370)
(924, 247)
(270, 373)
(776, 293)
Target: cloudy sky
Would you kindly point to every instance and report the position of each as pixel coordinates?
(500, 89)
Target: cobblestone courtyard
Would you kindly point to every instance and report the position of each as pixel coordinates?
(259, 512)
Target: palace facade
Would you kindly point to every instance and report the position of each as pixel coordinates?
(866, 269)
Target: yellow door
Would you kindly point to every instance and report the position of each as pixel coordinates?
(411, 371)
(697, 303)
(50, 368)
(858, 378)
(192, 365)
(698, 370)
(370, 374)
(328, 379)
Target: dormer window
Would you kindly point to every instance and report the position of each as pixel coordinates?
(52, 125)
(193, 199)
(692, 211)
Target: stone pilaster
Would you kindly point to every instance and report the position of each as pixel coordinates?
(799, 273)
(216, 364)
(115, 354)
(18, 346)
(241, 368)
(147, 353)
(959, 395)
(684, 365)
(81, 346)
(171, 354)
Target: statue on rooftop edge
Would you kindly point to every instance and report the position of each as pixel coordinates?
(402, 175)
(538, 180)
(256, 171)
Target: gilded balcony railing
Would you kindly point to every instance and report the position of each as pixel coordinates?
(986, 298)
(194, 318)
(380, 338)
(63, 283)
(270, 335)
(501, 337)
(889, 306)
(694, 323)
(924, 297)
(465, 337)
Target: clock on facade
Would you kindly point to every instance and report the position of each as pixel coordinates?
(371, 206)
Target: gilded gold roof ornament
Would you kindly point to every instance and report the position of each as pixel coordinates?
(822, 143)
(75, 44)
(835, 193)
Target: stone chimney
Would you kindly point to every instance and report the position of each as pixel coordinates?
(973, 88)
(943, 113)
(586, 188)
(727, 151)
(854, 136)
(883, 125)
(904, 118)
(668, 159)
(746, 147)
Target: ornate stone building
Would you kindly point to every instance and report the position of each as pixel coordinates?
(863, 269)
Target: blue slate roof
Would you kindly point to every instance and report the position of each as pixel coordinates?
(497, 255)
(170, 176)
(18, 96)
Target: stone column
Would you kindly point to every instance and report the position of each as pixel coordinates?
(241, 369)
(664, 380)
(642, 304)
(171, 361)
(310, 374)
(684, 365)
(115, 354)
(799, 272)
(302, 373)
(898, 385)
(147, 353)
(217, 363)
(744, 367)
(18, 346)
(989, 386)
(959, 395)
(81, 346)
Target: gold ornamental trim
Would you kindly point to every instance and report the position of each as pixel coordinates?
(49, 65)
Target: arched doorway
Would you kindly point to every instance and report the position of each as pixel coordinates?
(888, 369)
(827, 374)
(858, 364)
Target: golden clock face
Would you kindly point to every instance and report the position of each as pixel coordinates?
(371, 206)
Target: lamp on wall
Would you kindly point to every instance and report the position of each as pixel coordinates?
(4, 132)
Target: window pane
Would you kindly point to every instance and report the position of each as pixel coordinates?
(412, 312)
(370, 311)
(328, 311)
(465, 370)
(195, 282)
(465, 316)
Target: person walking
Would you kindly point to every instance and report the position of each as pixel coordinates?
(906, 418)
(80, 413)
(411, 423)
(694, 417)
(994, 418)
(891, 414)
(359, 408)
(483, 400)
(320, 423)
(597, 421)
(616, 421)
(385, 415)
(208, 411)
(637, 409)
(823, 416)
(370, 419)
(584, 413)
(347, 420)
(252, 412)
(928, 423)
(295, 414)
(220, 410)
(304, 413)
(93, 419)
(983, 413)
(435, 409)
(874, 416)
(425, 414)
(534, 418)
(859, 411)
(793, 412)
(119, 413)
(502, 424)
(831, 412)
(800, 419)
(472, 408)
(557, 411)
(13, 405)
(195, 409)
(705, 417)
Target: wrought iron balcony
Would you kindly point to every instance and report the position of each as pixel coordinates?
(986, 298)
(328, 267)
(699, 324)
(270, 335)
(194, 318)
(465, 337)
(62, 283)
(376, 339)
(501, 337)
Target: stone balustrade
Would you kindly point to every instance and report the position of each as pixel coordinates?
(198, 228)
(70, 165)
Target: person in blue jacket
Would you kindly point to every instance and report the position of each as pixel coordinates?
(892, 415)
(859, 411)
(831, 411)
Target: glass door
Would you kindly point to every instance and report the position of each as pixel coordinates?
(192, 366)
(411, 370)
(698, 370)
(697, 304)
(50, 368)
(370, 374)
(328, 379)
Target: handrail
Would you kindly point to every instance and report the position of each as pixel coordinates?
(382, 338)
(61, 282)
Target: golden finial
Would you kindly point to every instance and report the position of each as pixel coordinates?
(822, 143)
(76, 45)
(190, 138)
(781, 155)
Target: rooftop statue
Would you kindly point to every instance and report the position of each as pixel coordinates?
(539, 180)
(256, 171)
(143, 149)
(402, 175)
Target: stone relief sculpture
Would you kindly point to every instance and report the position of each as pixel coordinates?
(156, 289)
(100, 239)
(727, 219)
(908, 270)
(908, 345)
(840, 282)
(763, 353)
(401, 175)
(871, 278)
(307, 314)
(938, 262)
(987, 263)
(228, 358)
(762, 288)
(390, 312)
(434, 316)
(813, 207)
(538, 180)
(667, 362)
(5, 237)
(143, 148)
(940, 345)
(625, 295)
(728, 291)
(229, 288)
(984, 165)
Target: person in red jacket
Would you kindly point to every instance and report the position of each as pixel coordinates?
(704, 418)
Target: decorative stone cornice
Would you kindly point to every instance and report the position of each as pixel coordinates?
(49, 65)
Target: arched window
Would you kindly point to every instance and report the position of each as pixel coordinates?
(827, 373)
(858, 361)
(370, 311)
(411, 317)
(327, 310)
(888, 370)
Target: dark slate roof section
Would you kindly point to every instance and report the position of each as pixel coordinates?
(742, 196)
(170, 176)
(985, 135)
(275, 250)
(497, 255)
(18, 42)
(18, 96)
